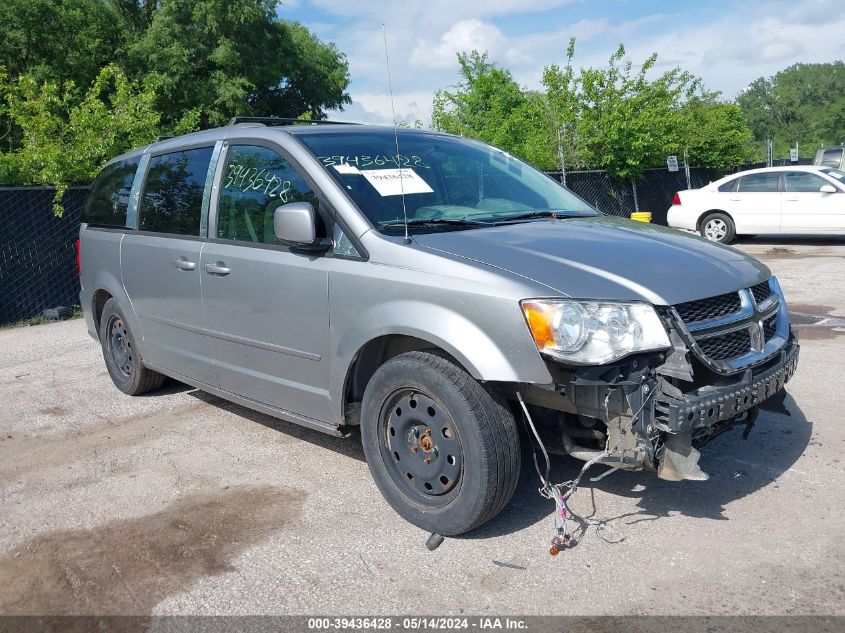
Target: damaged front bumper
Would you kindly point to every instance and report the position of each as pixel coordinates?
(639, 416)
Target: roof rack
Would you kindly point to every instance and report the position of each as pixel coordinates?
(277, 120)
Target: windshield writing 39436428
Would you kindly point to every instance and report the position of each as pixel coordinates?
(363, 161)
(252, 179)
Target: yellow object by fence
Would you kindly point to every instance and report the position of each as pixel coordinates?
(641, 216)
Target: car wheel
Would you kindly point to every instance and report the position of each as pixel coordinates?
(442, 449)
(718, 227)
(121, 354)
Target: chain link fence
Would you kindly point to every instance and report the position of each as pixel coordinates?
(653, 192)
(37, 251)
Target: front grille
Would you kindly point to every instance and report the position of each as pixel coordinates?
(761, 292)
(769, 326)
(726, 346)
(710, 308)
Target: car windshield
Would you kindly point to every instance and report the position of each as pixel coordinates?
(449, 183)
(834, 173)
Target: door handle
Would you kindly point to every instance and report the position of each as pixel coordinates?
(183, 264)
(217, 268)
(791, 199)
(735, 199)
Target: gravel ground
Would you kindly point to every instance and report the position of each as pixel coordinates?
(181, 503)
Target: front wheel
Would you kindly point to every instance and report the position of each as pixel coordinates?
(442, 450)
(719, 228)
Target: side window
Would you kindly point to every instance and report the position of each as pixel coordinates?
(255, 181)
(172, 198)
(759, 183)
(729, 186)
(342, 245)
(109, 198)
(832, 157)
(802, 181)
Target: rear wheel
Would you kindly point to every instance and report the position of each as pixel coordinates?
(442, 450)
(718, 227)
(121, 354)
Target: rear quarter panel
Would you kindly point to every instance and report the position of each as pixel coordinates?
(100, 263)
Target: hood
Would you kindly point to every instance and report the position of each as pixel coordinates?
(604, 257)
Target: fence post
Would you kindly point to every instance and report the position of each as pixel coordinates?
(636, 202)
(686, 169)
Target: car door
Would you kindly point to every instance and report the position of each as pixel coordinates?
(756, 204)
(160, 262)
(266, 304)
(806, 209)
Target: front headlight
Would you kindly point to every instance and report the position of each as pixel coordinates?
(593, 332)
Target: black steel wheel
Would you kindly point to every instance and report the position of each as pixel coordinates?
(443, 450)
(120, 346)
(421, 446)
(120, 351)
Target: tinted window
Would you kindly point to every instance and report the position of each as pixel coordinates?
(442, 178)
(835, 173)
(256, 180)
(832, 157)
(172, 198)
(729, 186)
(803, 181)
(766, 182)
(109, 198)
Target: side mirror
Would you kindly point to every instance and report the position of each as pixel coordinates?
(295, 225)
(828, 189)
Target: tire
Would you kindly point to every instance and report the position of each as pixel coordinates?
(423, 401)
(121, 354)
(718, 227)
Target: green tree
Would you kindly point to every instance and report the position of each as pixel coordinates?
(66, 135)
(625, 118)
(225, 58)
(713, 133)
(802, 104)
(489, 105)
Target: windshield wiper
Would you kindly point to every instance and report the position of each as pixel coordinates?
(435, 222)
(539, 213)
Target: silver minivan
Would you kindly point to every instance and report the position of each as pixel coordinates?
(441, 296)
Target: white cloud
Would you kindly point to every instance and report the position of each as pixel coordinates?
(728, 51)
(464, 36)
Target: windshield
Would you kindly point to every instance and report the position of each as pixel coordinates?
(449, 183)
(834, 173)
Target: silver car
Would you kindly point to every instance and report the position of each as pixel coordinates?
(433, 291)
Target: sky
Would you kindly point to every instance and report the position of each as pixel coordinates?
(727, 44)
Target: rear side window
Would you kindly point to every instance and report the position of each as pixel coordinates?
(172, 198)
(255, 181)
(729, 186)
(109, 198)
(802, 181)
(759, 183)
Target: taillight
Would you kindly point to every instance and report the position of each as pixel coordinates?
(676, 199)
(78, 259)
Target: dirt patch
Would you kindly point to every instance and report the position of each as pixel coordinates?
(128, 566)
(56, 412)
(781, 252)
(818, 333)
(815, 322)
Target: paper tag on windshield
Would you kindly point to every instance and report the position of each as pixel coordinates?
(395, 182)
(346, 168)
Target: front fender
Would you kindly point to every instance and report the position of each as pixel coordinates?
(510, 357)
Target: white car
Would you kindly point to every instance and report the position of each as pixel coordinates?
(770, 201)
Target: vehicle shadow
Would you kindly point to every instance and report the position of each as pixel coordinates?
(794, 240)
(737, 468)
(348, 446)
